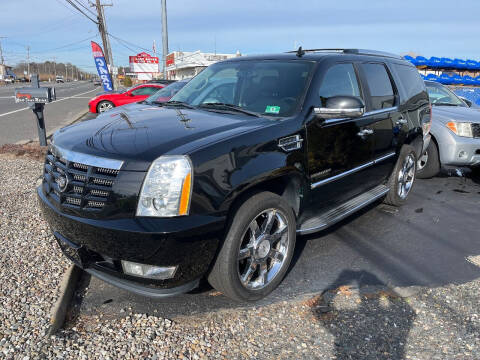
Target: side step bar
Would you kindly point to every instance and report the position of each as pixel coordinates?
(334, 215)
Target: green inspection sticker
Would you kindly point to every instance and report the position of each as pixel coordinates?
(270, 109)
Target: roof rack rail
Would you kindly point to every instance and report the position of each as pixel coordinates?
(353, 51)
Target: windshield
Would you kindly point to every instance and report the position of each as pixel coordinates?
(166, 93)
(440, 95)
(267, 87)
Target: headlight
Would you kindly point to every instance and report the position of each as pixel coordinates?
(461, 128)
(167, 188)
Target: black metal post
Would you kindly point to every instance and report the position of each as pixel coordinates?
(42, 135)
(38, 111)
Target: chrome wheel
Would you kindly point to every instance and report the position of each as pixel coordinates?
(406, 176)
(105, 106)
(263, 249)
(422, 161)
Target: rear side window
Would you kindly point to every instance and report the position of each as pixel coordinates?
(379, 85)
(411, 80)
(339, 80)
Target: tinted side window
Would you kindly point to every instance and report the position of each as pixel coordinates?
(340, 79)
(380, 86)
(411, 80)
(145, 91)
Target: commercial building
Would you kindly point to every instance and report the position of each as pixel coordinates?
(6, 71)
(182, 64)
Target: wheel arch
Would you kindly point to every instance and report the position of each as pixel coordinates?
(289, 186)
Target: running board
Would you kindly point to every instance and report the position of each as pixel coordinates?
(334, 215)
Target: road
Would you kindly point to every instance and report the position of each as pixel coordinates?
(424, 243)
(17, 121)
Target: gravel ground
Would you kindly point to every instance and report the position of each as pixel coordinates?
(350, 322)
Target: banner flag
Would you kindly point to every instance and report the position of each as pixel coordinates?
(102, 67)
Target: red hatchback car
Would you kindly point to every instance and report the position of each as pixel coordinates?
(107, 101)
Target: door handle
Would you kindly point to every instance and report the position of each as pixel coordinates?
(365, 132)
(401, 121)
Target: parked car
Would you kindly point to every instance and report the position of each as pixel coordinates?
(455, 133)
(59, 79)
(97, 82)
(218, 181)
(167, 92)
(161, 81)
(108, 100)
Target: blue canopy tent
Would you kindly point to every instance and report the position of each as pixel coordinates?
(431, 77)
(446, 62)
(459, 64)
(411, 59)
(445, 79)
(434, 62)
(457, 79)
(477, 80)
(421, 61)
(468, 80)
(472, 64)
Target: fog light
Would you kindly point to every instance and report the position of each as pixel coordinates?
(462, 154)
(148, 271)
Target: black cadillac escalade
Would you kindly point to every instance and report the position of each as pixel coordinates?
(219, 181)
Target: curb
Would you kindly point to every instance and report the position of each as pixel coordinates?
(67, 288)
(77, 117)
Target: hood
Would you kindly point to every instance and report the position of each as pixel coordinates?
(140, 133)
(449, 113)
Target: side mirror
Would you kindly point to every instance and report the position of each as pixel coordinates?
(339, 107)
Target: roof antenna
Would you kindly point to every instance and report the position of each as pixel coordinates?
(300, 52)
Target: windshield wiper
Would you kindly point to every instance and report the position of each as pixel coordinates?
(229, 107)
(179, 103)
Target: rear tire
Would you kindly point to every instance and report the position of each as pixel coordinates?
(257, 250)
(429, 164)
(402, 178)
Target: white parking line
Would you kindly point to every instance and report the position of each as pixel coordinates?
(27, 108)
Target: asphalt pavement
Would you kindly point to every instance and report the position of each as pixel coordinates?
(17, 121)
(424, 244)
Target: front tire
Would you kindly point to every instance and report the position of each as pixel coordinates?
(428, 164)
(403, 176)
(104, 106)
(257, 250)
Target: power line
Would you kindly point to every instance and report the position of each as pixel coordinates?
(85, 7)
(81, 11)
(64, 46)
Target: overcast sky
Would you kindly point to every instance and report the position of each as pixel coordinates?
(427, 27)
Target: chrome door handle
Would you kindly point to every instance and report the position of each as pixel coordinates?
(365, 132)
(401, 121)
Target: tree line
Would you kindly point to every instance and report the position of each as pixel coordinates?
(49, 70)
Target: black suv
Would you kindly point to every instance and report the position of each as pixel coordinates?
(218, 181)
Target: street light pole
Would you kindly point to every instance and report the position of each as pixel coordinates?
(164, 37)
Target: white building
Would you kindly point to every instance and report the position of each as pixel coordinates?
(182, 64)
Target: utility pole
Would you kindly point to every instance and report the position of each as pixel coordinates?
(102, 28)
(164, 37)
(28, 62)
(2, 60)
(55, 66)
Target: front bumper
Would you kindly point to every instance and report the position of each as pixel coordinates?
(92, 106)
(98, 246)
(458, 150)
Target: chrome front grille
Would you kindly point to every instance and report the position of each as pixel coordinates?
(78, 185)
